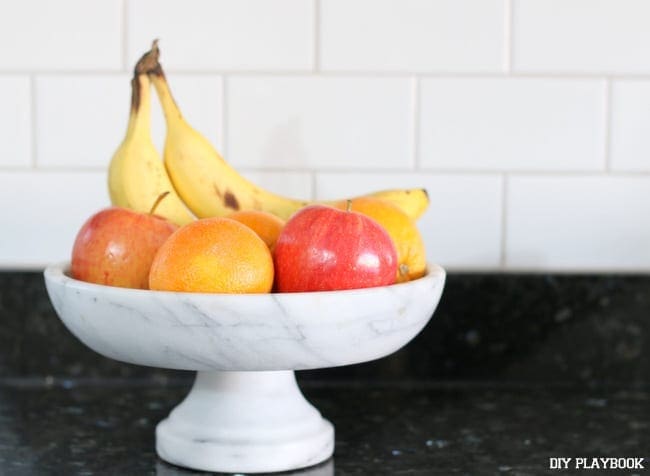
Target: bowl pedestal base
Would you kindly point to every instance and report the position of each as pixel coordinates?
(245, 422)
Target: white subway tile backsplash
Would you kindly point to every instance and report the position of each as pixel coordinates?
(412, 35)
(585, 36)
(60, 36)
(224, 34)
(82, 119)
(319, 122)
(15, 121)
(573, 223)
(630, 125)
(298, 185)
(461, 228)
(542, 103)
(512, 124)
(53, 206)
(200, 99)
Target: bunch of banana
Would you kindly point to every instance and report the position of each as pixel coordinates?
(209, 186)
(136, 174)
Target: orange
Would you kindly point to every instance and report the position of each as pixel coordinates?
(213, 255)
(266, 225)
(411, 256)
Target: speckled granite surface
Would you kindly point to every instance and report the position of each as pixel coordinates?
(410, 429)
(513, 370)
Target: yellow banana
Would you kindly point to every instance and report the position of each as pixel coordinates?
(136, 174)
(209, 186)
(413, 201)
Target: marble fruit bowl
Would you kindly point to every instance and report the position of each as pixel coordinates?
(245, 412)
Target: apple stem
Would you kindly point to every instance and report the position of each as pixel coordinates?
(157, 202)
(348, 205)
(404, 271)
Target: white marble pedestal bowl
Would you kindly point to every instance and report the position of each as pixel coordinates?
(245, 412)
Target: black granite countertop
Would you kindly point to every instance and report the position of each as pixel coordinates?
(513, 370)
(381, 429)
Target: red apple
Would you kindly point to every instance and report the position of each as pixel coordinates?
(116, 247)
(322, 248)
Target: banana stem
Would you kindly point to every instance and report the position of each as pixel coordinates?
(135, 95)
(140, 115)
(145, 65)
(149, 64)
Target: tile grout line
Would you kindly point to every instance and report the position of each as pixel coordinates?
(415, 124)
(32, 122)
(125, 35)
(455, 172)
(619, 174)
(545, 174)
(225, 80)
(313, 175)
(478, 75)
(507, 36)
(52, 169)
(608, 124)
(505, 182)
(524, 172)
(316, 60)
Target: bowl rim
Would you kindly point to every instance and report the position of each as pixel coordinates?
(58, 273)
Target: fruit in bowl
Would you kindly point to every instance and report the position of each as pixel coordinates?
(116, 247)
(411, 255)
(201, 183)
(245, 412)
(265, 224)
(322, 248)
(213, 255)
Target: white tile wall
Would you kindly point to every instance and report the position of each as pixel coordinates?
(527, 120)
(42, 212)
(63, 35)
(412, 35)
(15, 121)
(319, 122)
(585, 36)
(224, 34)
(79, 122)
(297, 185)
(581, 222)
(200, 98)
(80, 119)
(512, 124)
(630, 125)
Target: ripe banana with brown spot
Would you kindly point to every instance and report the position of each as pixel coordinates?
(209, 186)
(136, 173)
